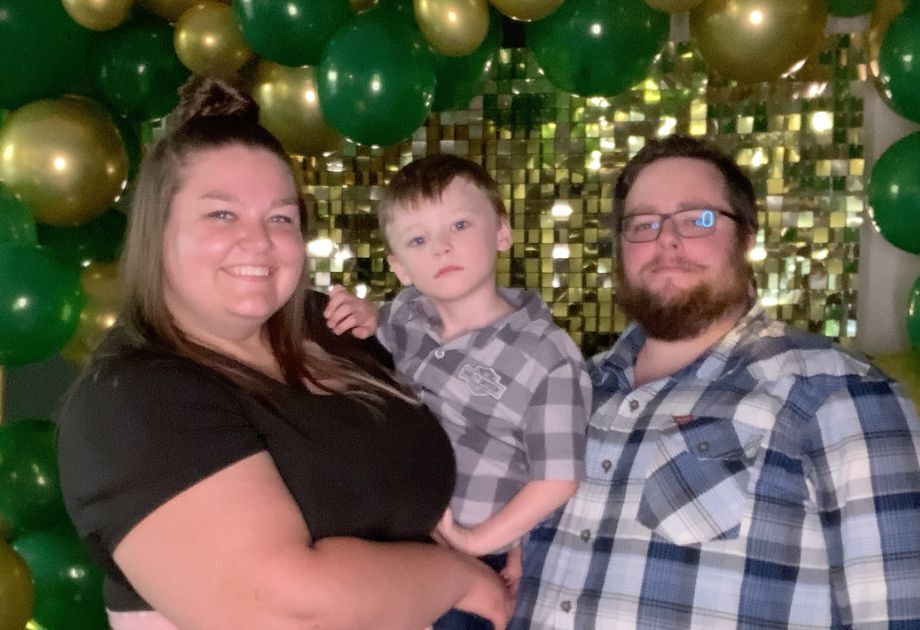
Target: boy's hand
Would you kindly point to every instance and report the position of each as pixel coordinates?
(346, 311)
(455, 536)
(511, 574)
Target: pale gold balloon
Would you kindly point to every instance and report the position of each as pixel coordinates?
(453, 27)
(100, 312)
(208, 41)
(64, 158)
(289, 108)
(527, 10)
(673, 6)
(98, 15)
(171, 10)
(757, 40)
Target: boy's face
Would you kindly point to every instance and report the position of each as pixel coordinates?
(447, 247)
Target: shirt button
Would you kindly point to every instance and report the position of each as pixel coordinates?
(439, 354)
(703, 446)
(606, 464)
(633, 405)
(586, 535)
(566, 606)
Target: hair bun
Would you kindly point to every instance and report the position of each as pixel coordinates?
(205, 97)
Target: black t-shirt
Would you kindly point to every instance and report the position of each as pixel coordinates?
(144, 425)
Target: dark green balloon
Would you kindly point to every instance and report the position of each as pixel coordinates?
(40, 303)
(849, 8)
(894, 193)
(291, 37)
(16, 221)
(31, 497)
(98, 240)
(136, 70)
(42, 50)
(598, 47)
(913, 316)
(899, 64)
(68, 583)
(376, 78)
(458, 79)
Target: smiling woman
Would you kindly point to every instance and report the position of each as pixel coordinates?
(229, 461)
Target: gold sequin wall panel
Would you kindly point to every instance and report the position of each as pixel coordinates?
(556, 157)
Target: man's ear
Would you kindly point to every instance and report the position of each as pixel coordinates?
(504, 233)
(399, 270)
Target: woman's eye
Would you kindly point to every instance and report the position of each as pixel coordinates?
(281, 218)
(220, 214)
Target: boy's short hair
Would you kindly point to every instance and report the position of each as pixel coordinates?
(426, 178)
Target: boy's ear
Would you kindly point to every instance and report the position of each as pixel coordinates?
(504, 233)
(399, 270)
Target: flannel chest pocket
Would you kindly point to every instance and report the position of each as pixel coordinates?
(696, 485)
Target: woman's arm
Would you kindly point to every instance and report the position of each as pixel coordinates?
(233, 551)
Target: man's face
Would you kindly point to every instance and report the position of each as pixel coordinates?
(675, 286)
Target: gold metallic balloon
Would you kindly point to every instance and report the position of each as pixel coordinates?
(209, 41)
(453, 27)
(289, 108)
(527, 10)
(98, 15)
(64, 158)
(757, 40)
(171, 10)
(17, 593)
(673, 6)
(100, 312)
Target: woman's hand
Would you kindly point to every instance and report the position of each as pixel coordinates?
(454, 536)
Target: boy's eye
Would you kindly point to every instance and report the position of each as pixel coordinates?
(462, 224)
(418, 241)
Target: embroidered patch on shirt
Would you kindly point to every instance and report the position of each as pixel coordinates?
(682, 420)
(482, 381)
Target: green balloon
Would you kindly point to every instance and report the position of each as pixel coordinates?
(899, 70)
(16, 221)
(458, 79)
(40, 303)
(849, 8)
(31, 497)
(136, 70)
(98, 240)
(894, 193)
(68, 584)
(292, 33)
(598, 47)
(42, 50)
(16, 592)
(913, 316)
(376, 79)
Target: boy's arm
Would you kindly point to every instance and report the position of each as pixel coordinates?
(345, 311)
(535, 501)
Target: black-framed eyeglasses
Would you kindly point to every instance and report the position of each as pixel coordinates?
(644, 227)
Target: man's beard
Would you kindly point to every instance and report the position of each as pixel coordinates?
(686, 315)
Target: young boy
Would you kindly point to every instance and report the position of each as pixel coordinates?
(507, 384)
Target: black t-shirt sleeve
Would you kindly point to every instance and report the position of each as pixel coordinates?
(136, 432)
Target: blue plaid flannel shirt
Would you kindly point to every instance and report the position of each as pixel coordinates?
(772, 483)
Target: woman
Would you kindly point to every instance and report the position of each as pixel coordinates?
(230, 462)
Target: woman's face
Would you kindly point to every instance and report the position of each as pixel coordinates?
(233, 251)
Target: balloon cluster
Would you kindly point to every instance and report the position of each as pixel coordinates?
(46, 575)
(894, 183)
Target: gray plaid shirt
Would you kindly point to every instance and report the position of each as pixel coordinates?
(513, 396)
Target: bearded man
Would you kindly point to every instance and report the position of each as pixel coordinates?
(740, 473)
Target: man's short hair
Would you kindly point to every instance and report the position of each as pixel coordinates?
(738, 187)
